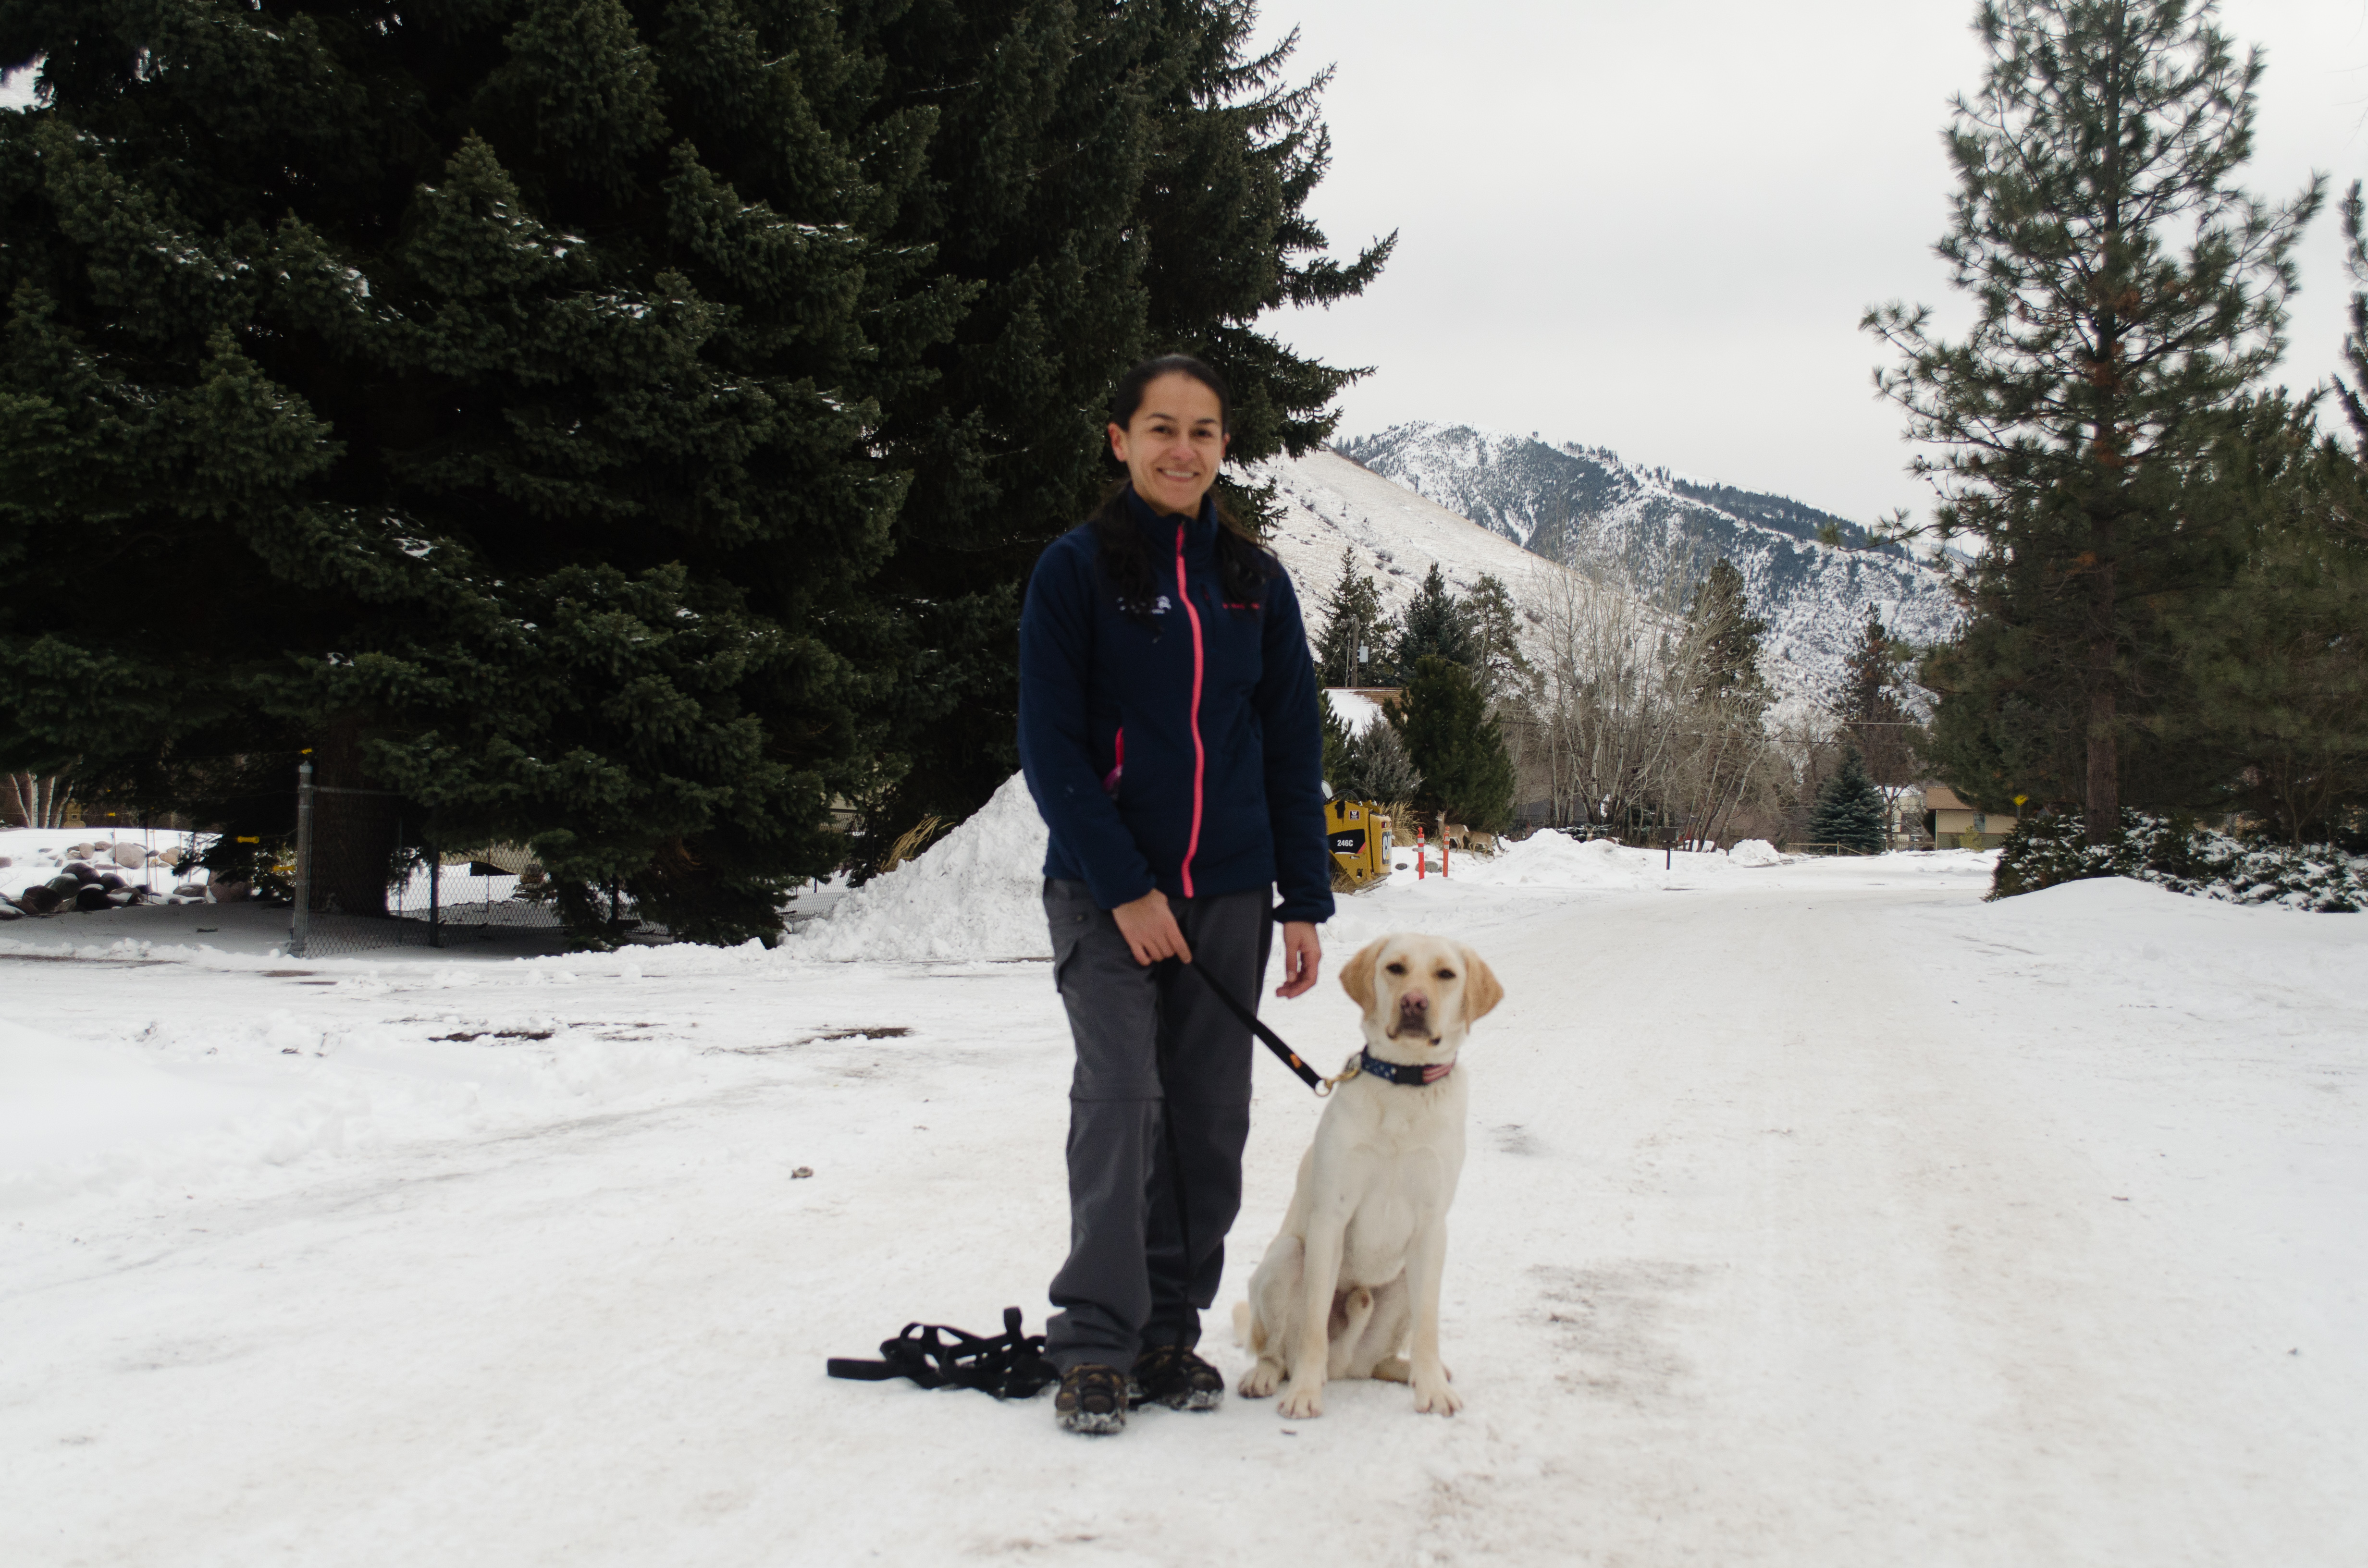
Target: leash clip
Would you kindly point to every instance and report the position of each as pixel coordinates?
(1356, 1066)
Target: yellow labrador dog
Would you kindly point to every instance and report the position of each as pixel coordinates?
(1358, 1262)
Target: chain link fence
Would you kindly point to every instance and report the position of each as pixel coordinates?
(364, 878)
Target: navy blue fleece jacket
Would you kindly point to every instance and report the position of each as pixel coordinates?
(1184, 754)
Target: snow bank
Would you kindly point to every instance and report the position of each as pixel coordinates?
(1551, 860)
(976, 893)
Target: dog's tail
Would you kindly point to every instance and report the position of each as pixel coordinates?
(1242, 1325)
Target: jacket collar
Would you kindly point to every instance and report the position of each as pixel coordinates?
(1200, 532)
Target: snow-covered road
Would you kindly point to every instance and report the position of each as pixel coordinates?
(1815, 1215)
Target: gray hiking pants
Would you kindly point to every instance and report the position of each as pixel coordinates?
(1158, 1112)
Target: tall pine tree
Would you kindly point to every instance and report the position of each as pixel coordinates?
(2126, 289)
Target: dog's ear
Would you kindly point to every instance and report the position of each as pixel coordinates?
(1357, 974)
(1482, 991)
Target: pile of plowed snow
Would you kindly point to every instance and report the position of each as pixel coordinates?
(976, 893)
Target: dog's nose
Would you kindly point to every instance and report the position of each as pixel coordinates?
(1412, 1001)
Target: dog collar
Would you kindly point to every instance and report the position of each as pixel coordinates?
(1412, 1074)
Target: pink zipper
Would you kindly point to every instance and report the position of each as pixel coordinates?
(1200, 752)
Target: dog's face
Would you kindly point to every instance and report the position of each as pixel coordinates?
(1420, 990)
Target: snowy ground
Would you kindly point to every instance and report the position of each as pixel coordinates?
(1816, 1214)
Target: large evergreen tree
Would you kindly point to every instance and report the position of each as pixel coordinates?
(2124, 290)
(615, 425)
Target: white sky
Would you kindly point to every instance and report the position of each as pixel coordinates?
(1653, 227)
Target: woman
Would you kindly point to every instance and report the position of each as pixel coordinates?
(1168, 729)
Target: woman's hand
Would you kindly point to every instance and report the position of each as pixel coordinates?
(1150, 929)
(1303, 956)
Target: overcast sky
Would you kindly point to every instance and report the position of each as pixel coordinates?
(1654, 227)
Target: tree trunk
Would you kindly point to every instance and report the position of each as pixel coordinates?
(353, 835)
(2103, 817)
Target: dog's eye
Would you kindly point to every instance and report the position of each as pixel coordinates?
(1447, 975)
(1397, 969)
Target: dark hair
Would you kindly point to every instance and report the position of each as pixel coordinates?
(1244, 565)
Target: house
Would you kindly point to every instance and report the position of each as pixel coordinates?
(1950, 818)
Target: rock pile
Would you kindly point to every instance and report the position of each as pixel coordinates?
(90, 879)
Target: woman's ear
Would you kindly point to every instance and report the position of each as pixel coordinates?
(1118, 442)
(1357, 975)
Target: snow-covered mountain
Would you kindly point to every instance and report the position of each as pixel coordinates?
(1574, 503)
(1395, 535)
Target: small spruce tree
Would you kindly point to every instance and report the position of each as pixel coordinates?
(1382, 770)
(1433, 625)
(1850, 808)
(1350, 647)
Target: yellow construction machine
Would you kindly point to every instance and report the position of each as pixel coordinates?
(1359, 835)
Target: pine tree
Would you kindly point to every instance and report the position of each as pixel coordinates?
(1729, 637)
(1340, 747)
(1455, 744)
(1850, 808)
(1432, 626)
(2126, 289)
(1496, 625)
(1382, 769)
(1867, 703)
(1349, 645)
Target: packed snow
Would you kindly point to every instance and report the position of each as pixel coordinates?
(1816, 1214)
(976, 893)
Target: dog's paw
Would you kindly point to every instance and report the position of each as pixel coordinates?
(1261, 1380)
(1395, 1370)
(1301, 1404)
(1436, 1398)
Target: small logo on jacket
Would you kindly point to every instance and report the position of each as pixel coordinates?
(1163, 607)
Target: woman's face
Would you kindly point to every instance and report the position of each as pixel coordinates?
(1173, 445)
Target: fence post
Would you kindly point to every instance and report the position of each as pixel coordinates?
(299, 925)
(434, 896)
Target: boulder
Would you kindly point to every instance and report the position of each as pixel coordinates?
(63, 884)
(92, 899)
(41, 898)
(77, 851)
(131, 855)
(9, 911)
(229, 891)
(6, 860)
(172, 855)
(80, 873)
(122, 896)
(190, 889)
(109, 880)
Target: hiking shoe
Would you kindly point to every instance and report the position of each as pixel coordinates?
(1175, 1377)
(1092, 1400)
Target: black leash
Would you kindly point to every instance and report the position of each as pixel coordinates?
(1307, 1075)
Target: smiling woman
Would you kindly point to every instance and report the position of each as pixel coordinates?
(1167, 729)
